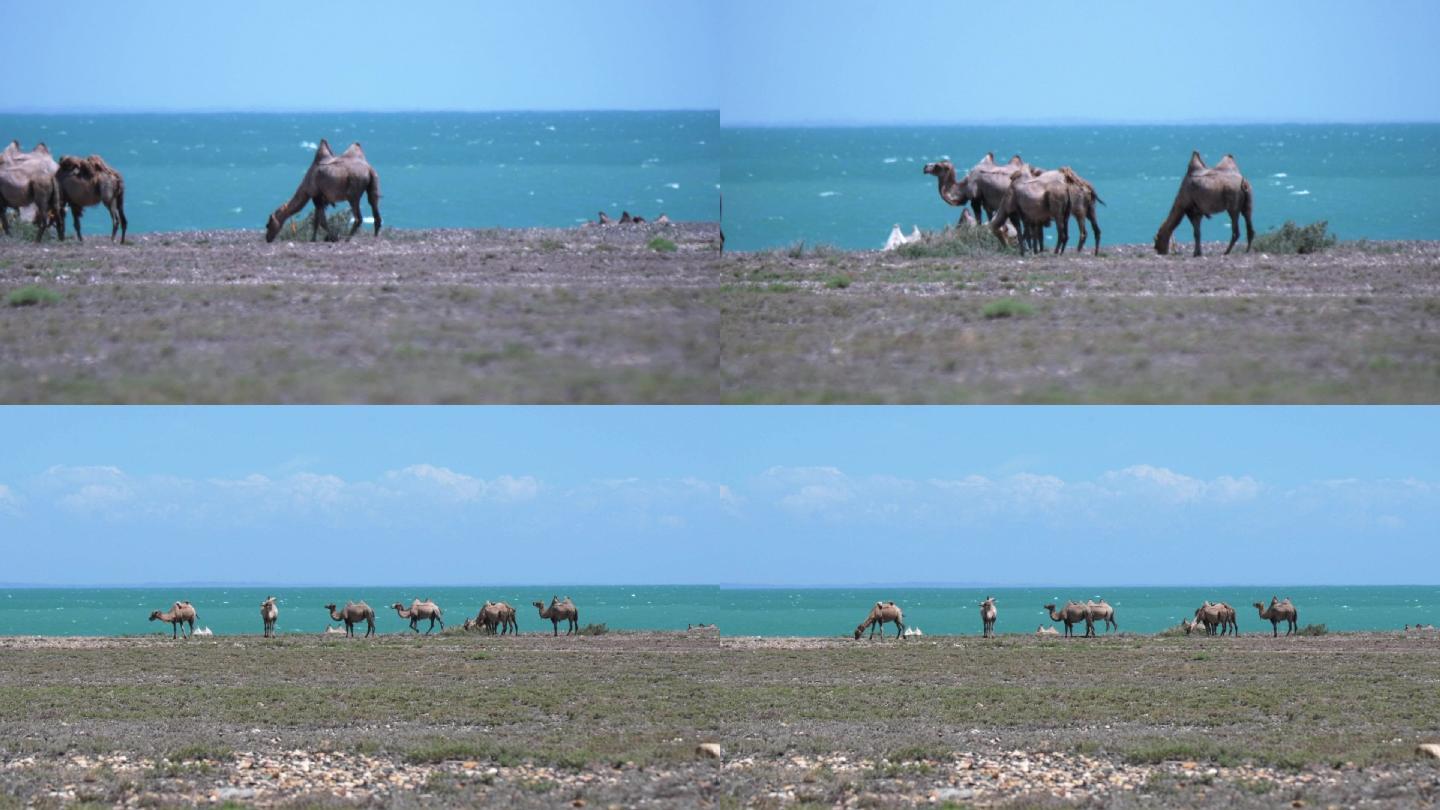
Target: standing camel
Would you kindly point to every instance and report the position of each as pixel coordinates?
(1101, 611)
(987, 617)
(28, 178)
(497, 615)
(420, 610)
(268, 614)
(331, 180)
(90, 181)
(354, 613)
(1279, 612)
(880, 615)
(1205, 191)
(178, 614)
(1083, 200)
(1073, 614)
(1217, 615)
(560, 611)
(983, 187)
(1036, 200)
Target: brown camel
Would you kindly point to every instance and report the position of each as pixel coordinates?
(1205, 191)
(268, 614)
(1279, 612)
(331, 180)
(880, 615)
(1073, 614)
(560, 611)
(354, 613)
(91, 181)
(178, 614)
(421, 610)
(1036, 200)
(983, 187)
(1083, 200)
(987, 617)
(28, 178)
(497, 615)
(1101, 611)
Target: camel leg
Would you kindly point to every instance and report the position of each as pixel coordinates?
(75, 217)
(1080, 223)
(114, 219)
(1234, 231)
(355, 212)
(1249, 231)
(1094, 223)
(1195, 221)
(120, 209)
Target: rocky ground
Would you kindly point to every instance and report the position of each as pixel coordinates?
(615, 720)
(1356, 323)
(614, 314)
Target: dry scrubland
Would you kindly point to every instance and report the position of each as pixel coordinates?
(619, 314)
(1357, 323)
(609, 315)
(614, 719)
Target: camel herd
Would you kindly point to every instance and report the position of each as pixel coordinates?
(1213, 618)
(1035, 198)
(494, 617)
(34, 179)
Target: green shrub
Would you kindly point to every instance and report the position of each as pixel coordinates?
(798, 250)
(32, 295)
(839, 282)
(953, 241)
(1292, 238)
(340, 222)
(593, 630)
(1007, 308)
(661, 245)
(1313, 630)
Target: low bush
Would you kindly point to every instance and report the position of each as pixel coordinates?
(1292, 238)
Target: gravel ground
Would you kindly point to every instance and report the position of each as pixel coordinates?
(615, 720)
(577, 315)
(1358, 323)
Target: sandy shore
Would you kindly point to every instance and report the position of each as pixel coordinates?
(574, 315)
(615, 720)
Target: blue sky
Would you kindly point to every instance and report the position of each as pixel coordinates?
(362, 55)
(827, 495)
(850, 62)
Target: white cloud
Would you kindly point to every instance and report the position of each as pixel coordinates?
(461, 487)
(9, 501)
(1166, 484)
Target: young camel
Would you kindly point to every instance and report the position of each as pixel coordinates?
(880, 615)
(331, 180)
(90, 181)
(354, 613)
(1280, 612)
(987, 617)
(178, 614)
(420, 610)
(560, 612)
(268, 614)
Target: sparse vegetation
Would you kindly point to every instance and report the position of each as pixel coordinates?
(593, 630)
(339, 219)
(661, 245)
(838, 282)
(952, 242)
(32, 295)
(1007, 308)
(1292, 238)
(1313, 630)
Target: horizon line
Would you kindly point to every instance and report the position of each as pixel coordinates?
(926, 123)
(329, 110)
(718, 586)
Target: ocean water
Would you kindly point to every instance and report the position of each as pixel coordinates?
(125, 611)
(437, 170)
(848, 186)
(738, 611)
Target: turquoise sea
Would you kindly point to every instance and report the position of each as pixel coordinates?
(738, 611)
(437, 170)
(848, 186)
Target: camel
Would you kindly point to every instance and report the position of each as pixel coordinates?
(983, 187)
(1074, 613)
(497, 615)
(987, 617)
(1279, 612)
(178, 614)
(90, 181)
(882, 613)
(420, 610)
(1042, 630)
(1101, 611)
(354, 613)
(560, 611)
(1205, 191)
(605, 219)
(1036, 200)
(268, 614)
(1083, 200)
(331, 180)
(28, 178)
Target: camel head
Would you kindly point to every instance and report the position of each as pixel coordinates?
(1162, 242)
(859, 630)
(155, 616)
(939, 168)
(272, 225)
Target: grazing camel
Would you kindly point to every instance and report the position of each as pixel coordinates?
(268, 614)
(1101, 611)
(1036, 200)
(1279, 612)
(28, 178)
(90, 181)
(987, 617)
(420, 610)
(1205, 191)
(1083, 200)
(560, 611)
(1073, 614)
(496, 615)
(178, 614)
(331, 180)
(880, 615)
(354, 613)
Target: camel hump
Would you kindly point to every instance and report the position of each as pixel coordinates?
(40, 149)
(1196, 162)
(1228, 163)
(988, 160)
(353, 150)
(1016, 161)
(323, 150)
